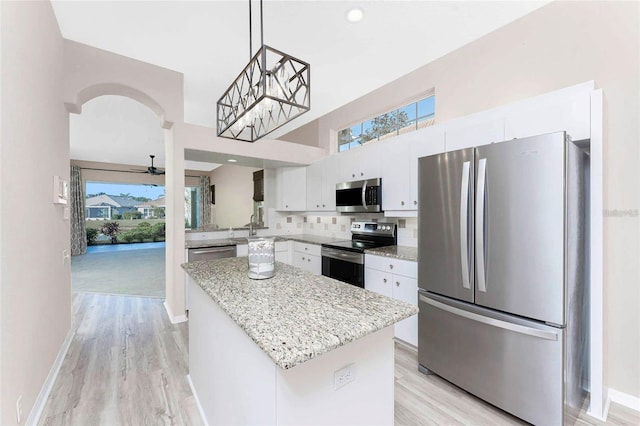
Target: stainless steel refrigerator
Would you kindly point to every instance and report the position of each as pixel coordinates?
(503, 297)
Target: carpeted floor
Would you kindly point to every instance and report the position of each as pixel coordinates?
(131, 272)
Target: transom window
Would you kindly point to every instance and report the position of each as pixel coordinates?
(405, 119)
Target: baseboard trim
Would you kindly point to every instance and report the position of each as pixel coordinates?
(174, 319)
(195, 397)
(43, 396)
(621, 398)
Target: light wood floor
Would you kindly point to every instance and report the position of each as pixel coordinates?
(127, 365)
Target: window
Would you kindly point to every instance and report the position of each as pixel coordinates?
(191, 207)
(405, 119)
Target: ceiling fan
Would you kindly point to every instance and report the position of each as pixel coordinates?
(151, 169)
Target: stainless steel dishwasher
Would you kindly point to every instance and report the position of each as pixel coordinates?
(206, 253)
(211, 253)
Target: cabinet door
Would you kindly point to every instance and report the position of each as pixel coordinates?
(396, 190)
(293, 186)
(314, 264)
(461, 135)
(282, 256)
(378, 281)
(314, 187)
(348, 165)
(329, 180)
(406, 290)
(540, 116)
(370, 161)
(429, 142)
(242, 250)
(308, 262)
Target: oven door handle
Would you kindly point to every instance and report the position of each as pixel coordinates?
(357, 258)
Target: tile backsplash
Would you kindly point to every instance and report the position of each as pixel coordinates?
(339, 226)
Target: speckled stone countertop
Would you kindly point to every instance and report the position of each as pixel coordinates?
(310, 239)
(221, 242)
(398, 252)
(296, 315)
(214, 228)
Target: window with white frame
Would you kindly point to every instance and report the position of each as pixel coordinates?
(405, 119)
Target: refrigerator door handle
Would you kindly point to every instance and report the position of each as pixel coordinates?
(464, 224)
(542, 334)
(480, 259)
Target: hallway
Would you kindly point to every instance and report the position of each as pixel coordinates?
(127, 365)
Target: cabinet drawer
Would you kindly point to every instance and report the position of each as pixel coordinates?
(312, 249)
(395, 266)
(282, 246)
(378, 281)
(308, 262)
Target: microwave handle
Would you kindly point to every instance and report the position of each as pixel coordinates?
(364, 192)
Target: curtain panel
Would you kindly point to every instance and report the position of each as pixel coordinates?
(205, 201)
(78, 224)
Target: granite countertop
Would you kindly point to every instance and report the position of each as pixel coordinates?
(296, 315)
(214, 228)
(310, 239)
(398, 252)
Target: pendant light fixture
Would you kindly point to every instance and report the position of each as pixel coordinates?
(273, 89)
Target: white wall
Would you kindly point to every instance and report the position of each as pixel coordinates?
(559, 45)
(35, 284)
(234, 195)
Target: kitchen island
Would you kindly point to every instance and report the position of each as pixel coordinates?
(294, 349)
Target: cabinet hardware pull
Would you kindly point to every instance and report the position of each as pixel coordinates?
(397, 283)
(415, 202)
(402, 203)
(384, 280)
(390, 266)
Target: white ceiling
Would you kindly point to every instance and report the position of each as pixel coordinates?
(208, 42)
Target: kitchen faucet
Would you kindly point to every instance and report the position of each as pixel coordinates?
(252, 231)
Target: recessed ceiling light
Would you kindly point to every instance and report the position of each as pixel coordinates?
(231, 160)
(355, 15)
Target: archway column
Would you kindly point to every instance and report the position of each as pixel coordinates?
(175, 234)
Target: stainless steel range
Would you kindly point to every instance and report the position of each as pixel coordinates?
(344, 260)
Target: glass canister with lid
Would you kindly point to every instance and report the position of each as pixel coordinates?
(261, 257)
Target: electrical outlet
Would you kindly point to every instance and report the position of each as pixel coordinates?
(19, 410)
(343, 376)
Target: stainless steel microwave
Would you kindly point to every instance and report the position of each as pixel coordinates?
(360, 196)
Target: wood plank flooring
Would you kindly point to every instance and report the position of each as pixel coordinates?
(127, 365)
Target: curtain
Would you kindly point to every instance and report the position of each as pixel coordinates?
(205, 201)
(78, 225)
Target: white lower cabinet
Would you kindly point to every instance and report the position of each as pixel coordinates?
(282, 252)
(307, 257)
(242, 250)
(397, 279)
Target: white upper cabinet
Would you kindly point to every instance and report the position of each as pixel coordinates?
(314, 186)
(292, 188)
(396, 179)
(321, 185)
(467, 133)
(431, 142)
(360, 163)
(400, 166)
(537, 116)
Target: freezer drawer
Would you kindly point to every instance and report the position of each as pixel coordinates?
(509, 362)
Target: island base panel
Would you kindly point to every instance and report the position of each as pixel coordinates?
(235, 382)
